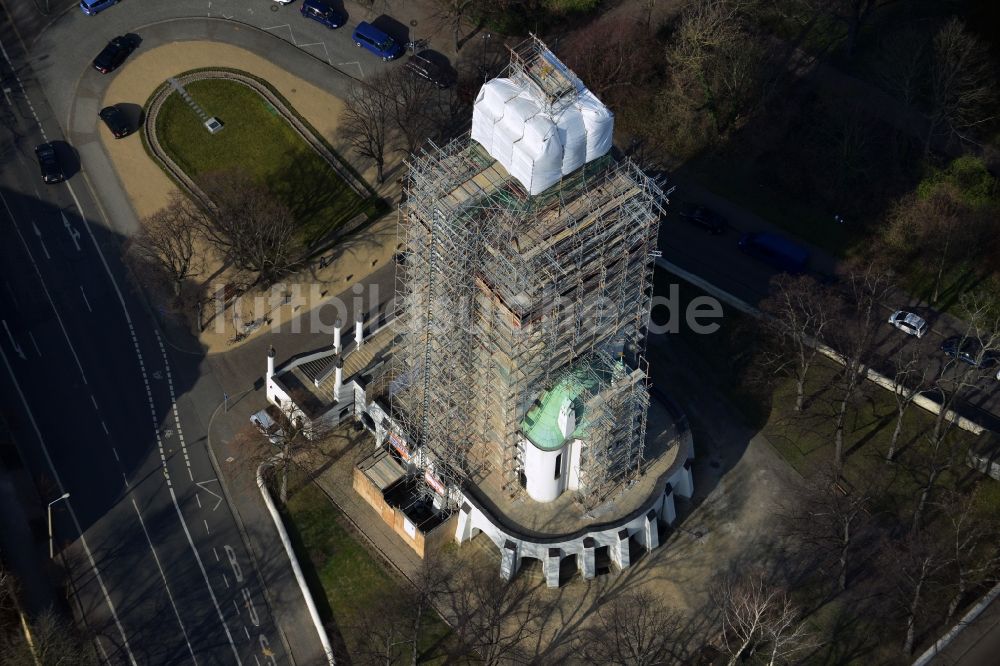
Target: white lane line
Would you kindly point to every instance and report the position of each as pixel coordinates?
(105, 426)
(197, 499)
(225, 580)
(125, 479)
(86, 302)
(211, 592)
(94, 400)
(38, 232)
(246, 632)
(216, 553)
(207, 531)
(72, 513)
(115, 451)
(37, 348)
(237, 607)
(38, 272)
(13, 343)
(166, 585)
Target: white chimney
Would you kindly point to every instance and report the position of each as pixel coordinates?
(567, 418)
(270, 362)
(336, 335)
(338, 378)
(359, 328)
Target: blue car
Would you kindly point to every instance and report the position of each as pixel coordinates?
(91, 7)
(322, 13)
(369, 37)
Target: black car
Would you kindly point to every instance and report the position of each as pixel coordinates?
(114, 54)
(426, 68)
(48, 163)
(970, 351)
(115, 120)
(706, 218)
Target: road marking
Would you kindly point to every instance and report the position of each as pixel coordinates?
(85, 301)
(225, 580)
(201, 484)
(38, 272)
(72, 513)
(37, 348)
(94, 400)
(38, 232)
(237, 607)
(354, 62)
(197, 499)
(216, 553)
(166, 585)
(17, 347)
(73, 233)
(105, 426)
(207, 531)
(197, 557)
(126, 480)
(246, 632)
(115, 451)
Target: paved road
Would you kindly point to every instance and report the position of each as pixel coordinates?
(105, 410)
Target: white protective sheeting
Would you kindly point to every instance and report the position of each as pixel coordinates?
(536, 146)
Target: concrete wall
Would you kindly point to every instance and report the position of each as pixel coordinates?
(642, 527)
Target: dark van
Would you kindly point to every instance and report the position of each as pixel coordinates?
(322, 13)
(369, 37)
(775, 250)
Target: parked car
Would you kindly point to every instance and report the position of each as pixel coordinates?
(775, 250)
(48, 163)
(282, 2)
(114, 54)
(424, 67)
(265, 421)
(91, 7)
(116, 121)
(323, 13)
(706, 218)
(970, 351)
(366, 36)
(909, 323)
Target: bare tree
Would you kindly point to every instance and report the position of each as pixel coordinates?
(453, 13)
(913, 563)
(718, 63)
(963, 87)
(797, 312)
(908, 381)
(753, 611)
(972, 538)
(367, 118)
(496, 618)
(613, 57)
(936, 227)
(633, 629)
(166, 241)
(853, 15)
(415, 110)
(248, 225)
(902, 63)
(831, 521)
(868, 285)
(944, 446)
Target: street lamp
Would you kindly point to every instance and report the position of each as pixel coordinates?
(58, 499)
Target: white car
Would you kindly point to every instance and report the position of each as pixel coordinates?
(266, 424)
(909, 323)
(282, 2)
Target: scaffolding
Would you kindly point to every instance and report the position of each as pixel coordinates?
(500, 293)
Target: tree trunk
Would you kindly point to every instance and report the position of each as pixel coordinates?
(799, 392)
(911, 619)
(379, 164)
(844, 548)
(895, 437)
(918, 515)
(736, 655)
(957, 599)
(455, 30)
(838, 438)
(416, 634)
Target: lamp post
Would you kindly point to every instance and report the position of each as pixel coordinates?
(58, 499)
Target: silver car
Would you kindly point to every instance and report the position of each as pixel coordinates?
(909, 323)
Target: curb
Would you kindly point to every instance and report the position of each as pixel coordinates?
(953, 633)
(296, 569)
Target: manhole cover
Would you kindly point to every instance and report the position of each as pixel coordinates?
(274, 7)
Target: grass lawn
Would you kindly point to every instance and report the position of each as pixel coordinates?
(260, 142)
(344, 577)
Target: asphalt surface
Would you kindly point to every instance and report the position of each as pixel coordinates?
(156, 557)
